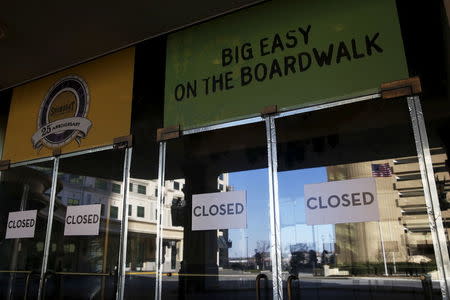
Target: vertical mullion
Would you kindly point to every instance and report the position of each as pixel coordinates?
(430, 192)
(159, 218)
(49, 225)
(274, 213)
(124, 225)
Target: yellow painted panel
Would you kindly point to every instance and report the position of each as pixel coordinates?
(83, 107)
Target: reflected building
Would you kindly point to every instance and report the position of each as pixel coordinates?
(24, 188)
(142, 218)
(404, 227)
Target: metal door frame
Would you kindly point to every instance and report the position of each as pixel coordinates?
(427, 175)
(124, 222)
(30, 163)
(430, 192)
(425, 163)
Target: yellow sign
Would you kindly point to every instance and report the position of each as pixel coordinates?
(79, 108)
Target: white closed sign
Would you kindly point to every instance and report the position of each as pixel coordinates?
(346, 201)
(219, 211)
(82, 220)
(21, 224)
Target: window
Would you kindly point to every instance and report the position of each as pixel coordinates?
(140, 211)
(220, 187)
(129, 209)
(176, 185)
(76, 179)
(69, 248)
(142, 189)
(177, 201)
(88, 198)
(71, 201)
(408, 177)
(221, 176)
(114, 212)
(156, 192)
(101, 184)
(116, 188)
(131, 187)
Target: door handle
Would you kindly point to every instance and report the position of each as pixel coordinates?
(258, 284)
(44, 286)
(27, 283)
(289, 285)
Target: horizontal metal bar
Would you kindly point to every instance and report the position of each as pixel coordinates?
(66, 155)
(281, 114)
(223, 125)
(10, 271)
(31, 162)
(140, 273)
(327, 105)
(82, 274)
(88, 151)
(188, 274)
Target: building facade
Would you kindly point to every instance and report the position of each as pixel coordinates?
(287, 149)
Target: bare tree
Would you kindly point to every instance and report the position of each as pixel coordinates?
(262, 252)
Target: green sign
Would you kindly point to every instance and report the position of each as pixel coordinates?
(286, 52)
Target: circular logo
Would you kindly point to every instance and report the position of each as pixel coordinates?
(62, 116)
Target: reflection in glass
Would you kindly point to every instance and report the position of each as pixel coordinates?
(358, 259)
(218, 263)
(86, 265)
(399, 245)
(141, 245)
(23, 188)
(233, 253)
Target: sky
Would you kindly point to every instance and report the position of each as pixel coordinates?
(292, 212)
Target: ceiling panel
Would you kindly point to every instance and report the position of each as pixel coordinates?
(45, 36)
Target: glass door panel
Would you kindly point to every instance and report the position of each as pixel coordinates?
(84, 260)
(25, 188)
(337, 251)
(212, 177)
(141, 245)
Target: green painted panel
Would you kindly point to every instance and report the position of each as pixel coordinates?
(288, 52)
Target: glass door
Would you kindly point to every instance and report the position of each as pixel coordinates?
(352, 209)
(84, 248)
(25, 198)
(215, 241)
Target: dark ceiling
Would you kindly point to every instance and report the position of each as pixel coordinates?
(45, 36)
